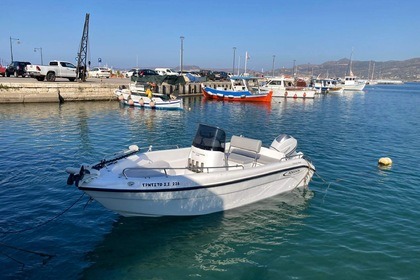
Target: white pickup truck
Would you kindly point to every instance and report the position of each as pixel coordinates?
(55, 69)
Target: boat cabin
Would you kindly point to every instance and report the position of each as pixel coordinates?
(245, 83)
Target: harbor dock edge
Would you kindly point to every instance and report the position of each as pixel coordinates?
(24, 91)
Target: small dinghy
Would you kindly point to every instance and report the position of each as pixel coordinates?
(210, 176)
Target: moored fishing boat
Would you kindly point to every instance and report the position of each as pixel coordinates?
(243, 89)
(326, 85)
(210, 176)
(137, 96)
(352, 83)
(284, 86)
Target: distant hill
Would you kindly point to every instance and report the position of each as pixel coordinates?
(406, 70)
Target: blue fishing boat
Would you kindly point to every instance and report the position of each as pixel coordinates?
(243, 88)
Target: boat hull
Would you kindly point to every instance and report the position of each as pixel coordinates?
(355, 87)
(297, 93)
(192, 198)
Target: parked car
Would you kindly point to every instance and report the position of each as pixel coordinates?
(146, 72)
(208, 74)
(17, 68)
(220, 75)
(55, 69)
(2, 70)
(131, 72)
(100, 72)
(165, 71)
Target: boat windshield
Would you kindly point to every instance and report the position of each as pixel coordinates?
(210, 138)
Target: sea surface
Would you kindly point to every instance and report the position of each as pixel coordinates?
(356, 221)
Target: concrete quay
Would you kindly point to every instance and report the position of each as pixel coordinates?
(28, 90)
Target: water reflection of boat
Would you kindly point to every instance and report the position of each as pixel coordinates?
(210, 176)
(140, 248)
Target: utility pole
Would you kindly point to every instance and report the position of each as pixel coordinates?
(40, 50)
(233, 67)
(11, 48)
(182, 53)
(272, 69)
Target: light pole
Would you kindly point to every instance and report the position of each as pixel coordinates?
(233, 67)
(272, 69)
(40, 50)
(11, 48)
(294, 66)
(182, 52)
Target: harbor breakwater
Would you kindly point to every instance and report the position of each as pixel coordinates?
(43, 92)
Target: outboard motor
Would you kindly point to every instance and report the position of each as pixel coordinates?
(285, 144)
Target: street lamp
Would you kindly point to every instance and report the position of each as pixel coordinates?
(40, 50)
(233, 67)
(11, 48)
(182, 52)
(272, 69)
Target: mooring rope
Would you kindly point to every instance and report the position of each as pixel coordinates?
(326, 183)
(43, 223)
(46, 257)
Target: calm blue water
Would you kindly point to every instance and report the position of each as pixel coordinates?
(357, 222)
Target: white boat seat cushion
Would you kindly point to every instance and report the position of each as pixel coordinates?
(243, 150)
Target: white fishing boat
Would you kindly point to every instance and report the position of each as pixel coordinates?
(284, 86)
(137, 95)
(352, 83)
(210, 176)
(326, 85)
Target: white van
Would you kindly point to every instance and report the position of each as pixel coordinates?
(165, 71)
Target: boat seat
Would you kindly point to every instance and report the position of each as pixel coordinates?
(153, 169)
(243, 150)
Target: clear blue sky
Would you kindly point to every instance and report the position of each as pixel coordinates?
(123, 33)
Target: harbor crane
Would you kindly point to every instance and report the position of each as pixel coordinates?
(82, 54)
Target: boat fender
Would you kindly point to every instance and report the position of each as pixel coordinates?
(141, 102)
(285, 94)
(121, 97)
(304, 94)
(152, 103)
(133, 148)
(295, 96)
(385, 161)
(130, 102)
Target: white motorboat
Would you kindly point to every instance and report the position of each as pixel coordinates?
(137, 96)
(210, 176)
(283, 86)
(326, 85)
(353, 83)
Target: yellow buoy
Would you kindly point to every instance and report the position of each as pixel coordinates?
(385, 161)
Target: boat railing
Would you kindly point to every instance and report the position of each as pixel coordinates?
(158, 147)
(136, 172)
